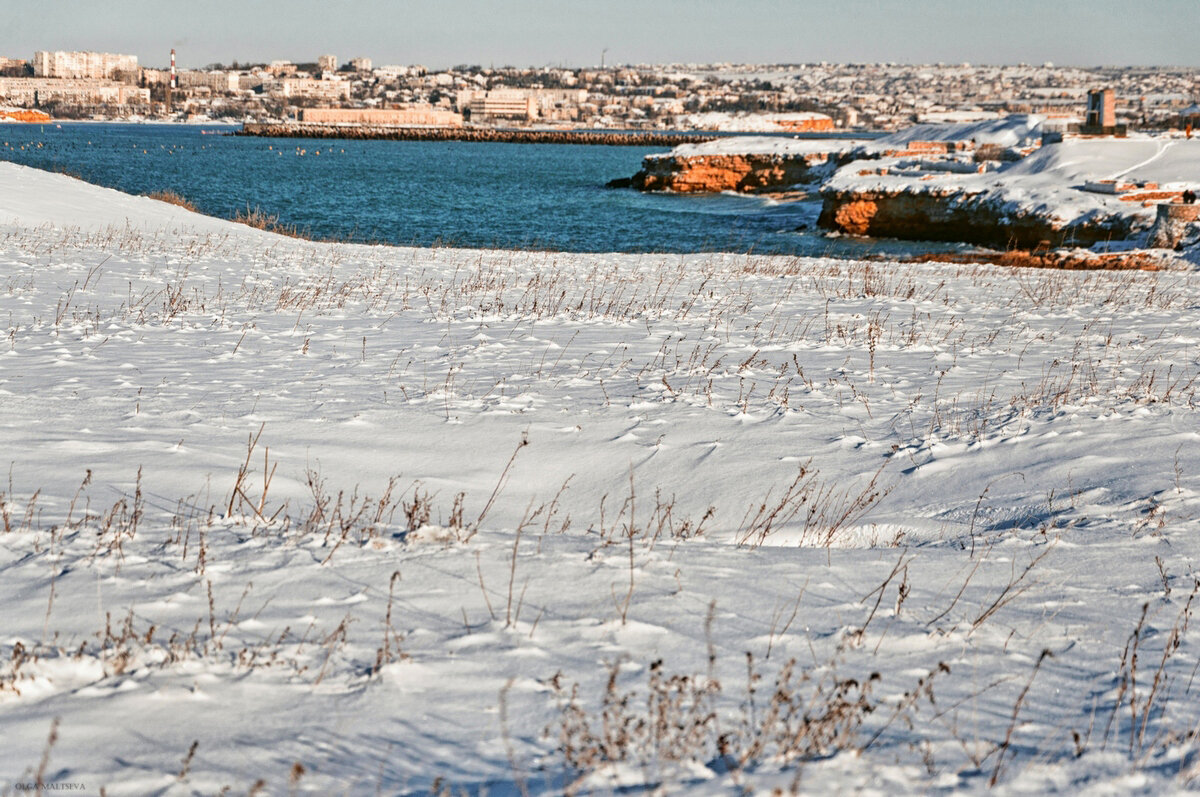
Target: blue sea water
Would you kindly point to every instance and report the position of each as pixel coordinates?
(545, 196)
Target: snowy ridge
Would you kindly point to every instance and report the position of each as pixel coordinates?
(763, 145)
(1008, 131)
(33, 197)
(744, 122)
(1050, 182)
(359, 519)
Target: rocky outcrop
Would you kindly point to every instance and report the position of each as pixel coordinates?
(956, 216)
(715, 173)
(1173, 224)
(23, 115)
(1067, 259)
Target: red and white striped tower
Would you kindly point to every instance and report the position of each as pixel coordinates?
(171, 83)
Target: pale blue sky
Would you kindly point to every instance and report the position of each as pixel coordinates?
(573, 33)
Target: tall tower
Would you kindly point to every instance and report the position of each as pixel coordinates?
(171, 82)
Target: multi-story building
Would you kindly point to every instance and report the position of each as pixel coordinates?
(360, 64)
(555, 104)
(279, 68)
(327, 63)
(32, 91)
(498, 104)
(254, 81)
(502, 105)
(218, 82)
(289, 87)
(61, 64)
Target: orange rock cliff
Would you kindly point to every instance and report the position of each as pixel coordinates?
(713, 173)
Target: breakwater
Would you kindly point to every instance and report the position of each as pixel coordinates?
(633, 138)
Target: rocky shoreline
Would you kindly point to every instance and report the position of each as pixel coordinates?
(954, 216)
(930, 215)
(1004, 184)
(381, 133)
(750, 173)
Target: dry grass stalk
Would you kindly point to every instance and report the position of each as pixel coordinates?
(390, 650)
(1003, 748)
(822, 510)
(173, 198)
(269, 222)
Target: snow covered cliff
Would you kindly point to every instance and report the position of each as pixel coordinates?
(1062, 193)
(989, 182)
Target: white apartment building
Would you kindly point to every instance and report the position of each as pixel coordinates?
(501, 105)
(60, 64)
(327, 63)
(31, 91)
(521, 103)
(391, 70)
(308, 87)
(217, 81)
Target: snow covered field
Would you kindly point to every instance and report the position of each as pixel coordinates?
(289, 516)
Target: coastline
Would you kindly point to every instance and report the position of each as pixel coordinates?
(1065, 258)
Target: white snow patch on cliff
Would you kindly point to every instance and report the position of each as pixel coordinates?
(764, 145)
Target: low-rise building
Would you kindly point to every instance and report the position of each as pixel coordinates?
(418, 116)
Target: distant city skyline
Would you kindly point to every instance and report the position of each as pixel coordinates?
(575, 34)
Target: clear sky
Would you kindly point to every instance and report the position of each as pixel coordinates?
(573, 33)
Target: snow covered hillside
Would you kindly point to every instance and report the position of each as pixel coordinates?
(284, 516)
(1050, 183)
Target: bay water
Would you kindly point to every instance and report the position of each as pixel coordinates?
(520, 196)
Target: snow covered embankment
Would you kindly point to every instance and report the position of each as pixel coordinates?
(297, 517)
(757, 163)
(740, 164)
(1047, 197)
